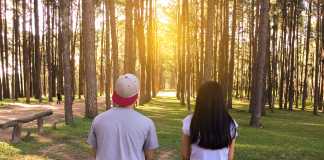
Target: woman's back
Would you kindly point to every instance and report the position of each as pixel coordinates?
(199, 153)
(210, 132)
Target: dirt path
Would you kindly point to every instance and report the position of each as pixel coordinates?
(16, 110)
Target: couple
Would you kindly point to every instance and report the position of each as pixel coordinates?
(121, 133)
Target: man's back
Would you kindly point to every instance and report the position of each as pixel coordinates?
(122, 134)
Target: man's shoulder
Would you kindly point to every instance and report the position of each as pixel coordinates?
(143, 117)
(102, 115)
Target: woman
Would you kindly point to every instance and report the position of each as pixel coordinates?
(209, 134)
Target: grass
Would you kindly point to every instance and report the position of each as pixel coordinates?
(53, 144)
(285, 136)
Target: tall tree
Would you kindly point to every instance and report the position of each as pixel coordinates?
(208, 60)
(114, 41)
(4, 69)
(130, 53)
(231, 63)
(16, 50)
(49, 58)
(38, 57)
(150, 51)
(317, 61)
(260, 64)
(88, 41)
(224, 50)
(141, 46)
(107, 59)
(6, 51)
(65, 13)
(305, 83)
(26, 55)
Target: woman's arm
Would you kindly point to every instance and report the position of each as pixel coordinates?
(185, 147)
(231, 150)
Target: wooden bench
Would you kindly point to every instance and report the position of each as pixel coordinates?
(17, 124)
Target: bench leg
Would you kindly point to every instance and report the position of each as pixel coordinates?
(40, 123)
(16, 133)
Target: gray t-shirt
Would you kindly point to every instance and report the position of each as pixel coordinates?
(122, 134)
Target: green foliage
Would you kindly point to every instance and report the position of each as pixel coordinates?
(7, 150)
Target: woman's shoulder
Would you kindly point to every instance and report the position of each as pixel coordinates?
(234, 129)
(235, 124)
(187, 118)
(186, 125)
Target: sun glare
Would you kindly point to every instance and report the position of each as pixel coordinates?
(164, 3)
(161, 15)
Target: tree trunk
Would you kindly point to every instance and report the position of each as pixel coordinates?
(224, 50)
(108, 59)
(38, 59)
(49, 54)
(3, 70)
(231, 63)
(130, 53)
(26, 56)
(317, 62)
(305, 84)
(141, 46)
(88, 41)
(260, 63)
(7, 92)
(114, 41)
(208, 60)
(151, 46)
(61, 48)
(16, 45)
(65, 13)
(102, 49)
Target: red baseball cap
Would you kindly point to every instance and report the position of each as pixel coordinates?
(126, 90)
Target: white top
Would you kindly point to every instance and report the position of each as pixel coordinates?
(198, 153)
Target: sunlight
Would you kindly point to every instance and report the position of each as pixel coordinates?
(162, 17)
(167, 94)
(164, 3)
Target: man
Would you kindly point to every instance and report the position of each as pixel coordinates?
(59, 98)
(121, 133)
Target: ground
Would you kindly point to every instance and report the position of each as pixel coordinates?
(285, 136)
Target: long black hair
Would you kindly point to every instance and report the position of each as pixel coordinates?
(211, 125)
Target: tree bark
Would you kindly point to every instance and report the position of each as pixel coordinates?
(38, 58)
(49, 54)
(231, 63)
(26, 56)
(114, 41)
(88, 39)
(141, 46)
(3, 70)
(108, 59)
(208, 60)
(305, 83)
(130, 53)
(66, 38)
(260, 63)
(317, 62)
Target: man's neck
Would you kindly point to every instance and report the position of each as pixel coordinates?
(126, 107)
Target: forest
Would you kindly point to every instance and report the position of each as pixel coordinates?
(268, 56)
